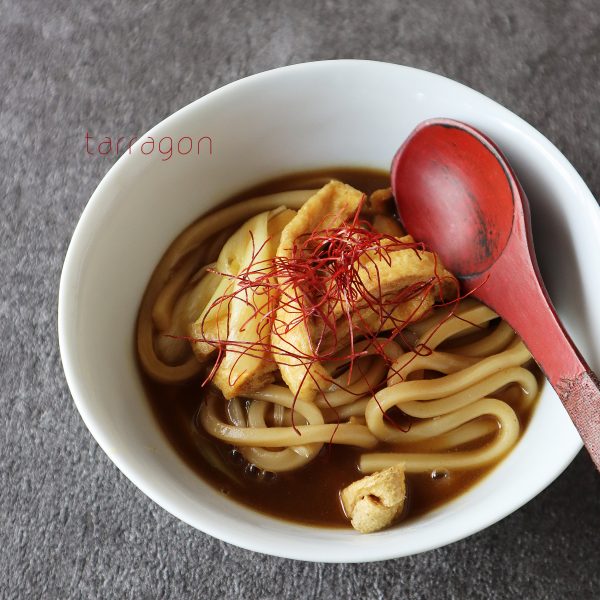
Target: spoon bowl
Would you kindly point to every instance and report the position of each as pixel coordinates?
(456, 192)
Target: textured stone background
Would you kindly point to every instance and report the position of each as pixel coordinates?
(71, 526)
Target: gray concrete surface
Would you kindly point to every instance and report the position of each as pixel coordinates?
(71, 526)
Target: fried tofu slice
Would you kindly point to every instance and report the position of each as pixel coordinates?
(239, 317)
(375, 501)
(382, 281)
(381, 278)
(330, 207)
(379, 200)
(383, 275)
(388, 225)
(366, 321)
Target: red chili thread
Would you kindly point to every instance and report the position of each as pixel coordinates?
(322, 282)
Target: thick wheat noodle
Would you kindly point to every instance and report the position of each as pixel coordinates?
(296, 456)
(207, 226)
(441, 328)
(441, 313)
(378, 345)
(349, 394)
(278, 414)
(165, 301)
(277, 432)
(433, 408)
(333, 399)
(276, 461)
(506, 436)
(447, 363)
(464, 434)
(174, 319)
(236, 414)
(344, 376)
(257, 414)
(277, 437)
(173, 309)
(447, 416)
(286, 459)
(356, 409)
(439, 332)
(193, 303)
(442, 362)
(490, 344)
(465, 321)
(331, 415)
(342, 393)
(188, 242)
(158, 370)
(427, 428)
(434, 389)
(269, 460)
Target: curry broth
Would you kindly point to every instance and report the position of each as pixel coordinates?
(310, 494)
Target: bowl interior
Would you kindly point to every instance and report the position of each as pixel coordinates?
(339, 113)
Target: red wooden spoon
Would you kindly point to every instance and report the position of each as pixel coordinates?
(456, 192)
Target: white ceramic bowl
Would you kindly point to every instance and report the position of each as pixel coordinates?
(307, 116)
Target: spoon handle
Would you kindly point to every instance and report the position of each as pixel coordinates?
(581, 397)
(540, 328)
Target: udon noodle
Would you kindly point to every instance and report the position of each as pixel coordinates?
(434, 383)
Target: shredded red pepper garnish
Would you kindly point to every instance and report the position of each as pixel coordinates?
(320, 287)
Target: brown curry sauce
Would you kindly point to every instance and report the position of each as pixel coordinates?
(309, 495)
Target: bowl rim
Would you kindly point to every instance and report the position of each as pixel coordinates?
(66, 303)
